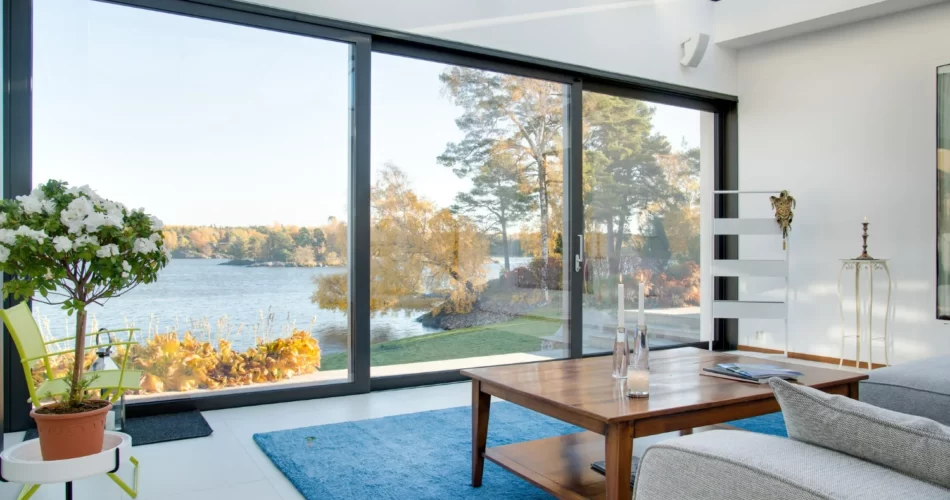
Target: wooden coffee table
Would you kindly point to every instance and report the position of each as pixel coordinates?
(582, 392)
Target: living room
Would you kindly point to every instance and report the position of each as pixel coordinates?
(477, 249)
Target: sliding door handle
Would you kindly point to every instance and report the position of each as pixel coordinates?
(579, 258)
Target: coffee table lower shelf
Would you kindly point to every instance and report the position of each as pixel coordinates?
(559, 465)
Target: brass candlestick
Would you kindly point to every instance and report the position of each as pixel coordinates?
(864, 253)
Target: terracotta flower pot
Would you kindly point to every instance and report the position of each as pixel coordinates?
(71, 435)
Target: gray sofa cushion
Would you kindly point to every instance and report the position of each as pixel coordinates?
(913, 445)
(919, 388)
(739, 465)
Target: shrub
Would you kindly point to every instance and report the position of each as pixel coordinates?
(172, 364)
(531, 276)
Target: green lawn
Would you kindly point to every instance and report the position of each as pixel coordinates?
(502, 338)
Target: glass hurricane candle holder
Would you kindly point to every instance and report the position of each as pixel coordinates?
(638, 373)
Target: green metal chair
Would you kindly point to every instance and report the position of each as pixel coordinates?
(32, 348)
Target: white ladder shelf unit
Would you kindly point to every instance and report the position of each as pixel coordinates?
(739, 309)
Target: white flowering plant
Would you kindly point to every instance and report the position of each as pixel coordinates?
(68, 246)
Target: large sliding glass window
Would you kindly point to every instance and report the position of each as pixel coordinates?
(642, 165)
(348, 209)
(239, 140)
(467, 225)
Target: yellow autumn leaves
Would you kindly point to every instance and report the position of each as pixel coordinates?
(172, 364)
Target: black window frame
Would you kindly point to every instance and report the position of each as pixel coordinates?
(17, 171)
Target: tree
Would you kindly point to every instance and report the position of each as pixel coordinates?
(237, 249)
(656, 246)
(520, 117)
(317, 239)
(303, 256)
(75, 248)
(302, 237)
(202, 239)
(622, 166)
(415, 248)
(279, 247)
(306, 237)
(681, 220)
(496, 199)
(336, 236)
(255, 246)
(171, 240)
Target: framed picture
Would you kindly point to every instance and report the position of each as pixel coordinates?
(943, 192)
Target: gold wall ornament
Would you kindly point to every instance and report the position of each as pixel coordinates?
(783, 205)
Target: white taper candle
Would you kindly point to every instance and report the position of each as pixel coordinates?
(641, 314)
(620, 318)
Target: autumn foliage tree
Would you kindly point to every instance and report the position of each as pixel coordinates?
(681, 220)
(416, 248)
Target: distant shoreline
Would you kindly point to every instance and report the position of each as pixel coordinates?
(254, 263)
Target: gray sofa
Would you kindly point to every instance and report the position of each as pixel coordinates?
(739, 465)
(919, 388)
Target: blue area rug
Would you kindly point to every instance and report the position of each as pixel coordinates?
(419, 456)
(773, 423)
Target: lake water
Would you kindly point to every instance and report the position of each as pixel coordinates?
(239, 303)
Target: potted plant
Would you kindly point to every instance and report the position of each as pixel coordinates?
(68, 246)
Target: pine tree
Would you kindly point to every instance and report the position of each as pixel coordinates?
(522, 117)
(496, 200)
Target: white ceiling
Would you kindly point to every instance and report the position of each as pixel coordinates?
(733, 23)
(424, 16)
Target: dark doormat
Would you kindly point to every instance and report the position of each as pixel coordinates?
(160, 428)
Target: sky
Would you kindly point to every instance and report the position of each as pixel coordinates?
(203, 122)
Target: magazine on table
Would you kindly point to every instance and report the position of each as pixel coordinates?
(751, 372)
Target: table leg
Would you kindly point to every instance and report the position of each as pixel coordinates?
(619, 460)
(481, 403)
(69, 490)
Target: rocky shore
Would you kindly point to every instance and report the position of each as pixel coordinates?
(484, 312)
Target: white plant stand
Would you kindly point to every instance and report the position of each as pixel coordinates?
(24, 464)
(867, 266)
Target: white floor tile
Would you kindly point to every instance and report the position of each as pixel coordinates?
(257, 490)
(216, 461)
(97, 488)
(285, 488)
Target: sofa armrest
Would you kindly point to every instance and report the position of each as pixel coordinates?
(739, 465)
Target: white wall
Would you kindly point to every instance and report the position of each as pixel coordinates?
(635, 37)
(844, 119)
(743, 23)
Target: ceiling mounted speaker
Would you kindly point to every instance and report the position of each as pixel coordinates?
(694, 49)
